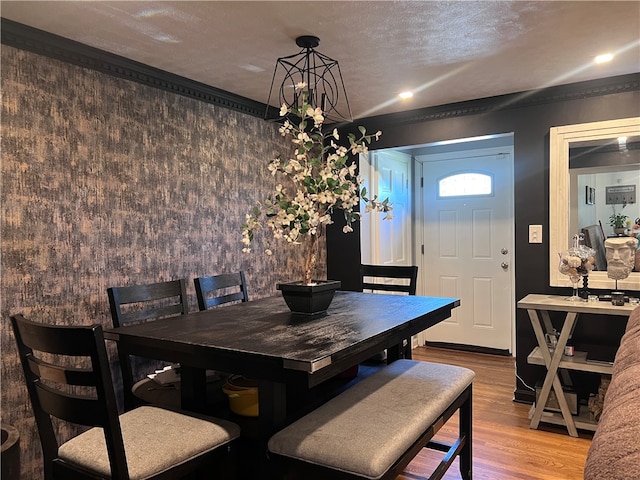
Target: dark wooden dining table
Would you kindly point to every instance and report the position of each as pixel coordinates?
(263, 340)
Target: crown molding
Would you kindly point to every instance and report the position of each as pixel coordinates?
(38, 41)
(53, 46)
(572, 91)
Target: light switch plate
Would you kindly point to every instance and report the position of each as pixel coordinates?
(535, 233)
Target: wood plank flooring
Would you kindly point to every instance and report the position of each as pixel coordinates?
(504, 447)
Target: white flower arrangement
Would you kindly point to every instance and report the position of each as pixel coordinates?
(322, 181)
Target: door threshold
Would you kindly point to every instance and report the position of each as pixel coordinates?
(469, 348)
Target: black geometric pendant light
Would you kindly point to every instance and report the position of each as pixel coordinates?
(323, 79)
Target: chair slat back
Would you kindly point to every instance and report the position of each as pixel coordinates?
(145, 302)
(56, 373)
(213, 291)
(151, 314)
(140, 303)
(71, 408)
(374, 277)
(67, 373)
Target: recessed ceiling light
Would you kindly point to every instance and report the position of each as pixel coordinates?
(405, 95)
(604, 58)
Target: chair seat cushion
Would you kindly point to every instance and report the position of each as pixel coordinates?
(365, 429)
(155, 440)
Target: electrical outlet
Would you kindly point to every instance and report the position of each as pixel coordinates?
(535, 233)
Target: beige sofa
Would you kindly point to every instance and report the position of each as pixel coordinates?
(615, 450)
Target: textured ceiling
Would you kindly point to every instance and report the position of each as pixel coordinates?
(443, 51)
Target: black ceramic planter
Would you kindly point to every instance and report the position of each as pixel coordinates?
(309, 299)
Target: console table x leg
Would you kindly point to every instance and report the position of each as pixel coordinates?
(552, 361)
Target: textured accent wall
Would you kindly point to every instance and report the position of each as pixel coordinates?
(106, 182)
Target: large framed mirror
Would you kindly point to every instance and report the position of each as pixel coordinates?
(594, 171)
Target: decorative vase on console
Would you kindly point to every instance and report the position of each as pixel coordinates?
(317, 179)
(576, 262)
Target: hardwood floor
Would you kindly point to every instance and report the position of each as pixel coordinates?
(504, 447)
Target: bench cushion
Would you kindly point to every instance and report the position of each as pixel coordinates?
(365, 429)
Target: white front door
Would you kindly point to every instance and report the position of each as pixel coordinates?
(387, 174)
(468, 243)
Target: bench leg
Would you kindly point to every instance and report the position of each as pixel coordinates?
(461, 448)
(466, 458)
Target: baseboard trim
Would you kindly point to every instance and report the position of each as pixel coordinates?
(524, 396)
(468, 348)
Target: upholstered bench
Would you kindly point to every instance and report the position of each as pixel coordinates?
(375, 428)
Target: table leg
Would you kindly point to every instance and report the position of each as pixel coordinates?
(272, 402)
(193, 389)
(394, 353)
(407, 349)
(552, 363)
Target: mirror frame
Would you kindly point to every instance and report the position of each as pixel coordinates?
(559, 191)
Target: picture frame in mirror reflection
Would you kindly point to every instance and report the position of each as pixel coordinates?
(590, 195)
(620, 195)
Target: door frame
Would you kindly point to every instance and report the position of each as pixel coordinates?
(370, 223)
(418, 220)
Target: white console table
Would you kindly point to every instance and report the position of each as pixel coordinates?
(538, 308)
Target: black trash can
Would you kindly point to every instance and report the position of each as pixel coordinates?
(10, 453)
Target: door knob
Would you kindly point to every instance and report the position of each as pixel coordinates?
(504, 251)
(504, 265)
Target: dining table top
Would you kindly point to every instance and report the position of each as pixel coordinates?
(266, 329)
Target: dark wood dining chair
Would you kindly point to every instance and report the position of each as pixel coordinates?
(390, 279)
(141, 303)
(375, 278)
(67, 373)
(216, 290)
(220, 289)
